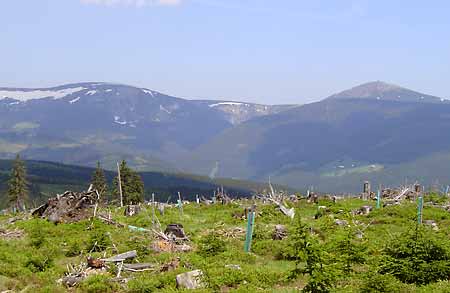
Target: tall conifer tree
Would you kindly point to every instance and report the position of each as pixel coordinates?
(99, 181)
(18, 184)
(132, 185)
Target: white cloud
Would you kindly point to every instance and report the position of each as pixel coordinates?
(135, 3)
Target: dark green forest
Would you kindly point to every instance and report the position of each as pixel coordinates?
(48, 178)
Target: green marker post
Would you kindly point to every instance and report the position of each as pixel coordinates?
(378, 199)
(249, 234)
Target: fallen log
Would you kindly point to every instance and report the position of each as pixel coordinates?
(110, 221)
(121, 257)
(138, 267)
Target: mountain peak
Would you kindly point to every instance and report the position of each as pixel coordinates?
(380, 90)
(369, 89)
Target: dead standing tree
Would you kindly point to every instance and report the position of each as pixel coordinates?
(277, 199)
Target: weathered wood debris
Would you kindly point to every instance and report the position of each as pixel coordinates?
(68, 207)
(190, 280)
(11, 234)
(171, 265)
(162, 245)
(222, 197)
(175, 232)
(132, 210)
(278, 199)
(121, 257)
(76, 274)
(364, 210)
(280, 232)
(242, 215)
(234, 232)
(391, 195)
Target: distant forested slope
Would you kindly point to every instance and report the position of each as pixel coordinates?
(48, 178)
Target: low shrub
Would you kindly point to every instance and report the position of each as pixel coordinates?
(39, 262)
(374, 282)
(211, 245)
(98, 284)
(417, 256)
(98, 241)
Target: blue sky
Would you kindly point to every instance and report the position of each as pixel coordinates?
(284, 51)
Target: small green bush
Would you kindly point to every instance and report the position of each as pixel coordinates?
(39, 262)
(224, 277)
(375, 282)
(144, 285)
(435, 197)
(138, 243)
(98, 284)
(211, 245)
(311, 259)
(417, 256)
(73, 249)
(37, 237)
(98, 241)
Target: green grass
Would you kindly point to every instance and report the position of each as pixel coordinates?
(36, 261)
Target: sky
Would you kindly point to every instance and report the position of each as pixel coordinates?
(283, 51)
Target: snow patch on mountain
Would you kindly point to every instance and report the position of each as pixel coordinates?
(148, 92)
(90, 93)
(26, 95)
(228, 104)
(74, 100)
(117, 120)
(161, 107)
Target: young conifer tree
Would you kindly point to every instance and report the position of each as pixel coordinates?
(98, 181)
(18, 185)
(132, 185)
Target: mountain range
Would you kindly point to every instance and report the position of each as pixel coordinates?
(375, 131)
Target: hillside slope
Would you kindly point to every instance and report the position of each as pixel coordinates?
(49, 178)
(312, 143)
(86, 122)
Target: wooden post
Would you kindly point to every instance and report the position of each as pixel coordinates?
(378, 199)
(153, 209)
(419, 210)
(250, 225)
(180, 203)
(120, 185)
(366, 190)
(197, 199)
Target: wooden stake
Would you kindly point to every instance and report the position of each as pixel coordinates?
(120, 185)
(153, 210)
(180, 203)
(419, 210)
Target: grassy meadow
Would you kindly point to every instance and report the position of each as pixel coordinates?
(356, 257)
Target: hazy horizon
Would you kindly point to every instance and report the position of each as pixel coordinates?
(255, 51)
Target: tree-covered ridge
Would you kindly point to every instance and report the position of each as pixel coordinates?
(48, 178)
